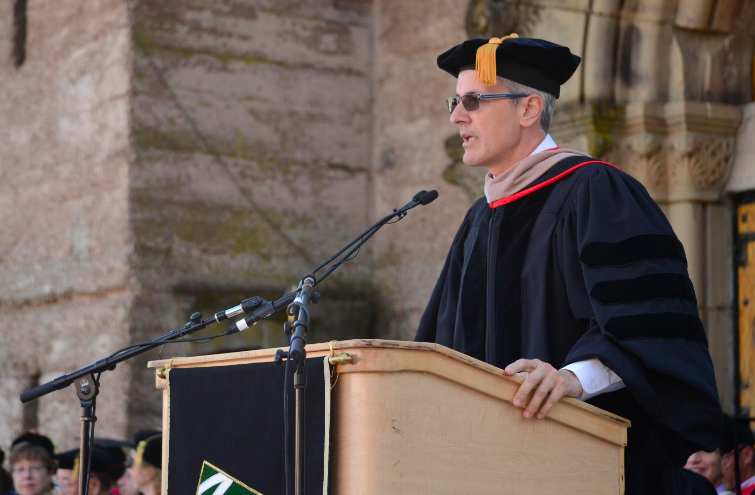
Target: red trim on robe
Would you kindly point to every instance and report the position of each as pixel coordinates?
(528, 191)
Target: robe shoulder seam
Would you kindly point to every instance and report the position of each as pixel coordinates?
(580, 177)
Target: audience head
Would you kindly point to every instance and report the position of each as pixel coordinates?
(126, 484)
(100, 480)
(738, 437)
(706, 464)
(34, 438)
(32, 464)
(147, 462)
(114, 448)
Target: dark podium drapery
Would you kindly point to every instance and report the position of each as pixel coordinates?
(233, 417)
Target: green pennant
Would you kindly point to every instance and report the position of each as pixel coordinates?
(213, 481)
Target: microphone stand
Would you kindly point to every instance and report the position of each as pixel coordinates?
(298, 353)
(86, 389)
(87, 378)
(88, 384)
(298, 341)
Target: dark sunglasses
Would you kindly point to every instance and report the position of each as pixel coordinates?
(471, 102)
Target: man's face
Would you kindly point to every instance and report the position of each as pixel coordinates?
(707, 464)
(745, 466)
(491, 132)
(126, 484)
(65, 483)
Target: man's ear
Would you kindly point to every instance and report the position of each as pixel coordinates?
(747, 455)
(95, 487)
(533, 107)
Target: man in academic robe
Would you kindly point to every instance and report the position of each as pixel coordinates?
(568, 271)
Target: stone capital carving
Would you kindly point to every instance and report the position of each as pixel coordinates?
(641, 156)
(698, 166)
(680, 151)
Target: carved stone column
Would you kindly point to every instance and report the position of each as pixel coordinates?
(680, 151)
(684, 159)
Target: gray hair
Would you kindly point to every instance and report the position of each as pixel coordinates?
(549, 101)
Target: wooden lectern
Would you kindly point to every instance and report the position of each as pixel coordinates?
(416, 418)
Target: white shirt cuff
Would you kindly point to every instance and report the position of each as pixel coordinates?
(595, 378)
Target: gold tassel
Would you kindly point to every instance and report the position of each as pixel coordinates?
(139, 457)
(141, 447)
(75, 473)
(485, 62)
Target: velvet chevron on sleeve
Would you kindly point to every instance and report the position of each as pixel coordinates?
(618, 245)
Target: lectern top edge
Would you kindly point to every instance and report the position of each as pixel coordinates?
(375, 356)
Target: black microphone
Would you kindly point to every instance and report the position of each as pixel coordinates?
(411, 204)
(246, 306)
(261, 313)
(418, 195)
(421, 198)
(428, 197)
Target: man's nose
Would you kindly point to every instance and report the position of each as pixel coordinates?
(459, 115)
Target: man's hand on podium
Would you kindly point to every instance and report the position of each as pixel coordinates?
(548, 384)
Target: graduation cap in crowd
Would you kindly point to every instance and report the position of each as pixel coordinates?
(736, 431)
(533, 62)
(114, 448)
(102, 462)
(37, 440)
(68, 459)
(149, 448)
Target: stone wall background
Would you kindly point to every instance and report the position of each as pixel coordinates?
(162, 159)
(251, 131)
(66, 290)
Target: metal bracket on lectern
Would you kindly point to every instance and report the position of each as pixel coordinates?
(163, 372)
(342, 358)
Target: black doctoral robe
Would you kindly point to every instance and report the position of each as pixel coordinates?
(584, 264)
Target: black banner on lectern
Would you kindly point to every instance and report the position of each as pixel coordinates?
(232, 417)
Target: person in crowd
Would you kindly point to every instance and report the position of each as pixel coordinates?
(118, 457)
(146, 468)
(66, 475)
(707, 464)
(737, 445)
(6, 481)
(32, 464)
(126, 485)
(100, 480)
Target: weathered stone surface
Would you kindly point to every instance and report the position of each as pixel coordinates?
(694, 14)
(252, 166)
(606, 7)
(598, 60)
(565, 27)
(411, 126)
(642, 67)
(718, 252)
(65, 289)
(656, 11)
(13, 420)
